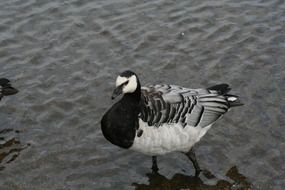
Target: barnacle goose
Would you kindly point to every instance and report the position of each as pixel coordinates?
(159, 119)
(6, 88)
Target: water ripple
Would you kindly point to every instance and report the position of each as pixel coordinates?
(64, 56)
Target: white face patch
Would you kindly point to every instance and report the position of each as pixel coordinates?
(130, 87)
(120, 80)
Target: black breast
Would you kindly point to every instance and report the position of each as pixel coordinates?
(119, 124)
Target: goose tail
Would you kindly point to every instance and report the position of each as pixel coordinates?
(223, 89)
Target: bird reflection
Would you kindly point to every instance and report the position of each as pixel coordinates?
(157, 181)
(10, 146)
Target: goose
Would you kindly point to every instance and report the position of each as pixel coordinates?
(159, 119)
(6, 88)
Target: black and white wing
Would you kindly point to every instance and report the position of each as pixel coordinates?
(194, 107)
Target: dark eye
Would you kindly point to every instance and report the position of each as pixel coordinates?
(125, 83)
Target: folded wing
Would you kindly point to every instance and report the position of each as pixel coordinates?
(194, 107)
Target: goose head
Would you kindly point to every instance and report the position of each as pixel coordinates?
(127, 82)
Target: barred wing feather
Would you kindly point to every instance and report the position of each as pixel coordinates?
(174, 104)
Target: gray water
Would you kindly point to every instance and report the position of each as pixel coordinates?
(64, 57)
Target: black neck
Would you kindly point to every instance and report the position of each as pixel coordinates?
(120, 123)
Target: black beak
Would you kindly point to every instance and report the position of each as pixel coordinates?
(118, 91)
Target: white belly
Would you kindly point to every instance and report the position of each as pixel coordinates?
(167, 138)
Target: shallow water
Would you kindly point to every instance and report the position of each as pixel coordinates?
(64, 56)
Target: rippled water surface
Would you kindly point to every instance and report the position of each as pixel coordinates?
(64, 56)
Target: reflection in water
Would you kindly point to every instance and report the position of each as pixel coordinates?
(10, 146)
(180, 181)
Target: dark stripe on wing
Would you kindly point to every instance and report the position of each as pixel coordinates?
(179, 109)
(186, 107)
(200, 116)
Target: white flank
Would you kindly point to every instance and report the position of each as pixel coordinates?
(167, 138)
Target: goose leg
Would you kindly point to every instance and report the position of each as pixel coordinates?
(191, 155)
(154, 165)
